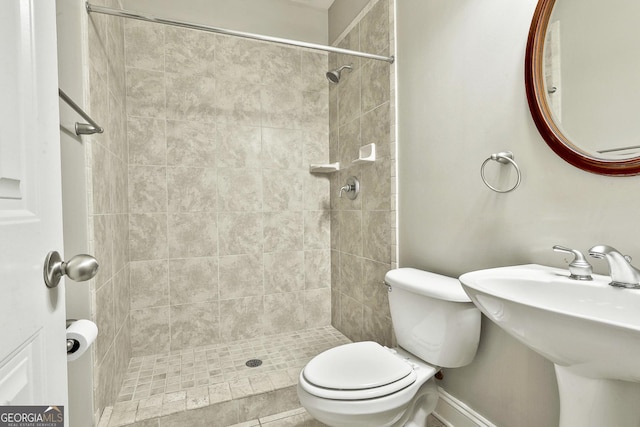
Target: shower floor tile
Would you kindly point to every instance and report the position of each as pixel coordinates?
(167, 383)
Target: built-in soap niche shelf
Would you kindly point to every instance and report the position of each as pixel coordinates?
(324, 167)
(367, 154)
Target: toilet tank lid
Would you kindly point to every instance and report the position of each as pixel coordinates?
(426, 283)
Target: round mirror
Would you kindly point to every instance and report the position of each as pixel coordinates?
(582, 75)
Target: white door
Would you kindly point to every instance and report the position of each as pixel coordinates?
(33, 365)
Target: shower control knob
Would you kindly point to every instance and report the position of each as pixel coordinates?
(79, 268)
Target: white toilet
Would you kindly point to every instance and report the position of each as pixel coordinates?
(366, 384)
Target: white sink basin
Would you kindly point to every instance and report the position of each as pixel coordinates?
(588, 329)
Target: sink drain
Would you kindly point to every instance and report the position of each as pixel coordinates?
(253, 363)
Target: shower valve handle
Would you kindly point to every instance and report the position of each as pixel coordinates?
(351, 188)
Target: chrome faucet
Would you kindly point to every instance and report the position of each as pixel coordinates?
(623, 274)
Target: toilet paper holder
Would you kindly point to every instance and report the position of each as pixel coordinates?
(80, 336)
(72, 345)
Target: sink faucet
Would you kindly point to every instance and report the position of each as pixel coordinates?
(579, 268)
(623, 274)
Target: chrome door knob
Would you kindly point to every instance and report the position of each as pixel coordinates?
(79, 268)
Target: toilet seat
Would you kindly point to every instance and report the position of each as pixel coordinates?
(357, 371)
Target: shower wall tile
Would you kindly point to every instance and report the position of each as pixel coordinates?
(374, 29)
(284, 272)
(240, 233)
(281, 65)
(108, 207)
(316, 192)
(317, 230)
(311, 79)
(148, 236)
(317, 269)
(374, 291)
(283, 189)
(144, 46)
(192, 235)
(145, 93)
(150, 330)
(193, 280)
(241, 318)
(317, 305)
(281, 107)
(284, 312)
(376, 128)
(245, 110)
(239, 189)
(241, 276)
(375, 84)
(239, 60)
(190, 50)
(105, 319)
(190, 97)
(239, 146)
(191, 144)
(191, 189)
(228, 231)
(361, 112)
(149, 284)
(376, 242)
(350, 98)
(147, 189)
(121, 297)
(351, 232)
(350, 141)
(283, 231)
(281, 148)
(103, 248)
(146, 137)
(194, 325)
(351, 283)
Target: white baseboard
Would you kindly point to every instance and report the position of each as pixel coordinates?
(452, 412)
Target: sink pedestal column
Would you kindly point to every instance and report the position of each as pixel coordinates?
(589, 402)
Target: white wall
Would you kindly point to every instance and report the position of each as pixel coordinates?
(70, 20)
(461, 97)
(277, 18)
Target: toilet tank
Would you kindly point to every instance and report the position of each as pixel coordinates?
(433, 317)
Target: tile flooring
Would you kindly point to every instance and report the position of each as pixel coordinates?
(163, 385)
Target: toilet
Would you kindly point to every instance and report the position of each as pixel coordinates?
(366, 384)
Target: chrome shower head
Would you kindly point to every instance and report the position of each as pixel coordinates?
(334, 75)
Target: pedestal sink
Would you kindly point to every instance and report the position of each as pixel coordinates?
(588, 329)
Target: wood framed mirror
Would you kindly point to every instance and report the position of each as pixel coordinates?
(582, 77)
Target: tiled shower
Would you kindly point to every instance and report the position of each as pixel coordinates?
(214, 234)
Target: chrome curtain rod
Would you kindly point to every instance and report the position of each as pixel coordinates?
(81, 128)
(142, 17)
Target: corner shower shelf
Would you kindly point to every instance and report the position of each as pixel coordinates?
(324, 167)
(367, 154)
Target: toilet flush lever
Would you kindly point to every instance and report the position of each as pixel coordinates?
(351, 188)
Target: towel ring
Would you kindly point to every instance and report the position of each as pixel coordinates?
(503, 157)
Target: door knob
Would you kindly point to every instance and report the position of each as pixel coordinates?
(79, 268)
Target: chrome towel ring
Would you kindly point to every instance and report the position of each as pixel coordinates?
(503, 157)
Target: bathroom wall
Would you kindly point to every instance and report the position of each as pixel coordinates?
(341, 14)
(108, 205)
(362, 230)
(72, 60)
(461, 97)
(290, 19)
(229, 233)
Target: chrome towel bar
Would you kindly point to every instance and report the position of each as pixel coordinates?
(81, 128)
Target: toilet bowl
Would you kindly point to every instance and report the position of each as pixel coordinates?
(366, 384)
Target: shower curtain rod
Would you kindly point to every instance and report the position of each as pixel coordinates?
(142, 17)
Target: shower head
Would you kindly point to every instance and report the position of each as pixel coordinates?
(334, 75)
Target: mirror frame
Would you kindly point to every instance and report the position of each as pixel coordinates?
(541, 112)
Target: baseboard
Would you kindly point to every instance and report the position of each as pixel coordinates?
(452, 412)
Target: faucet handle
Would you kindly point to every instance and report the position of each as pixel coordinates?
(579, 268)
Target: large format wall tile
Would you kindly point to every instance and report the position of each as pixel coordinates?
(224, 217)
